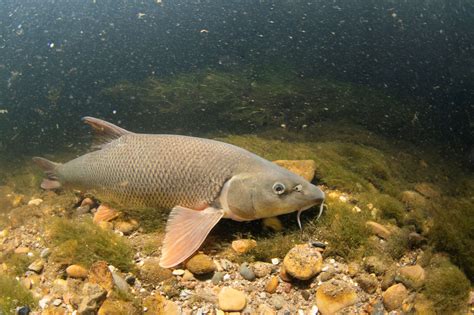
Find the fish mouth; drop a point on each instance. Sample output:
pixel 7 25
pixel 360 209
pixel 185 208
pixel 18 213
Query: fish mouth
pixel 321 207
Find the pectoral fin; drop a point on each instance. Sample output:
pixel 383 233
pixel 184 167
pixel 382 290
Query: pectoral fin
pixel 186 230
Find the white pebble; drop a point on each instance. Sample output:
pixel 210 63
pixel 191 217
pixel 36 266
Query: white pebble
pixel 178 272
pixel 44 302
pixel 226 277
pixel 57 302
pixel 275 261
pixel 300 312
pixel 35 202
pixel 332 261
pixel 325 268
pixel 343 198
pixel 263 295
pixel 314 310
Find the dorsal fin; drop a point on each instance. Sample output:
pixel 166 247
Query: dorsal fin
pixel 104 132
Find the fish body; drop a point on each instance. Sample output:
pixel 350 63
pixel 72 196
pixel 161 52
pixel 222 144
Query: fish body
pixel 202 180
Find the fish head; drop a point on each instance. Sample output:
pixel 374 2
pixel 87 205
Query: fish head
pixel 271 193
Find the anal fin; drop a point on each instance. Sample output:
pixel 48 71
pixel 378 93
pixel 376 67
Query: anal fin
pixel 186 230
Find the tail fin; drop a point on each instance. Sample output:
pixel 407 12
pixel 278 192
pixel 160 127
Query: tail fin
pixel 50 169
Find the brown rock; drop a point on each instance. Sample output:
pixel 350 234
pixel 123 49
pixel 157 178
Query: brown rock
pixel 36 266
pixel 244 245
pixel 264 309
pixel 53 310
pixel 394 296
pixel 378 229
pixel 76 271
pixel 412 276
pixel 105 213
pixel 201 264
pixel 334 296
pixel 413 199
pixel 126 227
pixel 372 264
pixel 284 275
pixel 158 305
pixel 303 262
pixel 99 273
pixel 92 297
pixel 21 250
pixel 353 269
pixel 303 168
pixel 117 307
pixel 231 300
pixel 272 285
pixel 262 269
pixel 428 190
pixel 368 283
pixel 87 202
pixel 152 272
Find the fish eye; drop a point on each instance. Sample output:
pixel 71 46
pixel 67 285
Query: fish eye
pixel 298 187
pixel 278 188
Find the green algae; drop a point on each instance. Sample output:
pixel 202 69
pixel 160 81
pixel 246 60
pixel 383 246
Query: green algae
pixel 17 264
pixel 82 242
pixel 13 295
pixel 446 286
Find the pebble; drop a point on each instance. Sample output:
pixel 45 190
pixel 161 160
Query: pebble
pixel 91 298
pixel 120 283
pixel 43 303
pixel 187 276
pixel 76 271
pixel 217 277
pixel 200 264
pixel 373 264
pixel 226 277
pixel 83 210
pixel 264 309
pixel 275 261
pixel 378 229
pixel 105 213
pixel 412 276
pixel 87 202
pixel 100 274
pixel 305 294
pixel 314 310
pixel 152 272
pixel 35 202
pixel 277 301
pixel 303 262
pixel 334 296
pixel 367 282
pixel 36 266
pixel 231 300
pixel 272 284
pixel 23 310
pixel 45 253
pixel 178 272
pixel 57 302
pixel 243 245
pixel 126 227
pixel 262 269
pixel 394 296
pixel 130 279
pixel 21 250
pixel 246 272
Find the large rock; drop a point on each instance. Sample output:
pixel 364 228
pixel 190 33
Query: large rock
pixel 394 296
pixel 303 168
pixel 152 272
pixel 99 273
pixel 91 299
pixel 231 300
pixel 412 276
pixel 333 296
pixel 201 264
pixel 303 262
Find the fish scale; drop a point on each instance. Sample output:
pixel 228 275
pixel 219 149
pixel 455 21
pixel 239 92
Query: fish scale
pixel 140 170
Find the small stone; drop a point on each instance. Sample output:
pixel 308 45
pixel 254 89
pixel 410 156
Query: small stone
pixel 314 310
pixel 412 276
pixel 334 296
pixel 372 264
pixel 130 279
pixel 277 301
pixel 231 300
pixel 91 298
pixel 100 274
pixel 303 262
pixel 275 261
pixel 26 282
pixel 416 240
pixel 244 245
pixel 246 272
pixel 200 264
pixel 305 294
pixel 126 227
pixel 217 277
pixel 378 229
pixel 284 275
pixel 57 302
pixel 21 250
pixel 171 287
pixel 262 269
pixel 264 309
pixel 152 272
pixel 35 202
pixel 367 282
pixel 394 296
pixel 272 284
pixel 83 210
pixel 178 272
pixel 114 306
pixel 120 283
pixel 353 269
pixel 326 275
pixel 428 190
pixel 87 202
pixel 158 305
pixel 36 266
pixel 76 271
pixel 187 276
pixel 24 310
pixel 105 213
pixel 413 199
pixel 45 253
pixel 303 168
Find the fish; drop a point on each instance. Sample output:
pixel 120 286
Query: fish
pixel 201 180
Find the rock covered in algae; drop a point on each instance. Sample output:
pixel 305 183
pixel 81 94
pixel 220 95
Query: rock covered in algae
pixel 201 264
pixel 394 296
pixel 303 168
pixel 303 262
pixel 334 296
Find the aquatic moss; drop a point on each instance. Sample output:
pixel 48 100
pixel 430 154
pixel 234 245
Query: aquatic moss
pixel 447 287
pixel 397 244
pixel 453 233
pixel 390 207
pixel 17 264
pixel 13 295
pixel 81 242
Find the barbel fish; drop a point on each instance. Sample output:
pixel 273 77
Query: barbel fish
pixel 201 180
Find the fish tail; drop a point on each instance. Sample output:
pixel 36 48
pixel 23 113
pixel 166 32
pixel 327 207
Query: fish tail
pixel 51 171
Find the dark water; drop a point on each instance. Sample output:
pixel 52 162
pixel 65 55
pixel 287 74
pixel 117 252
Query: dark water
pixel 57 57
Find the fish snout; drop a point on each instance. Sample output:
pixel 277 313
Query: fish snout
pixel 316 195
